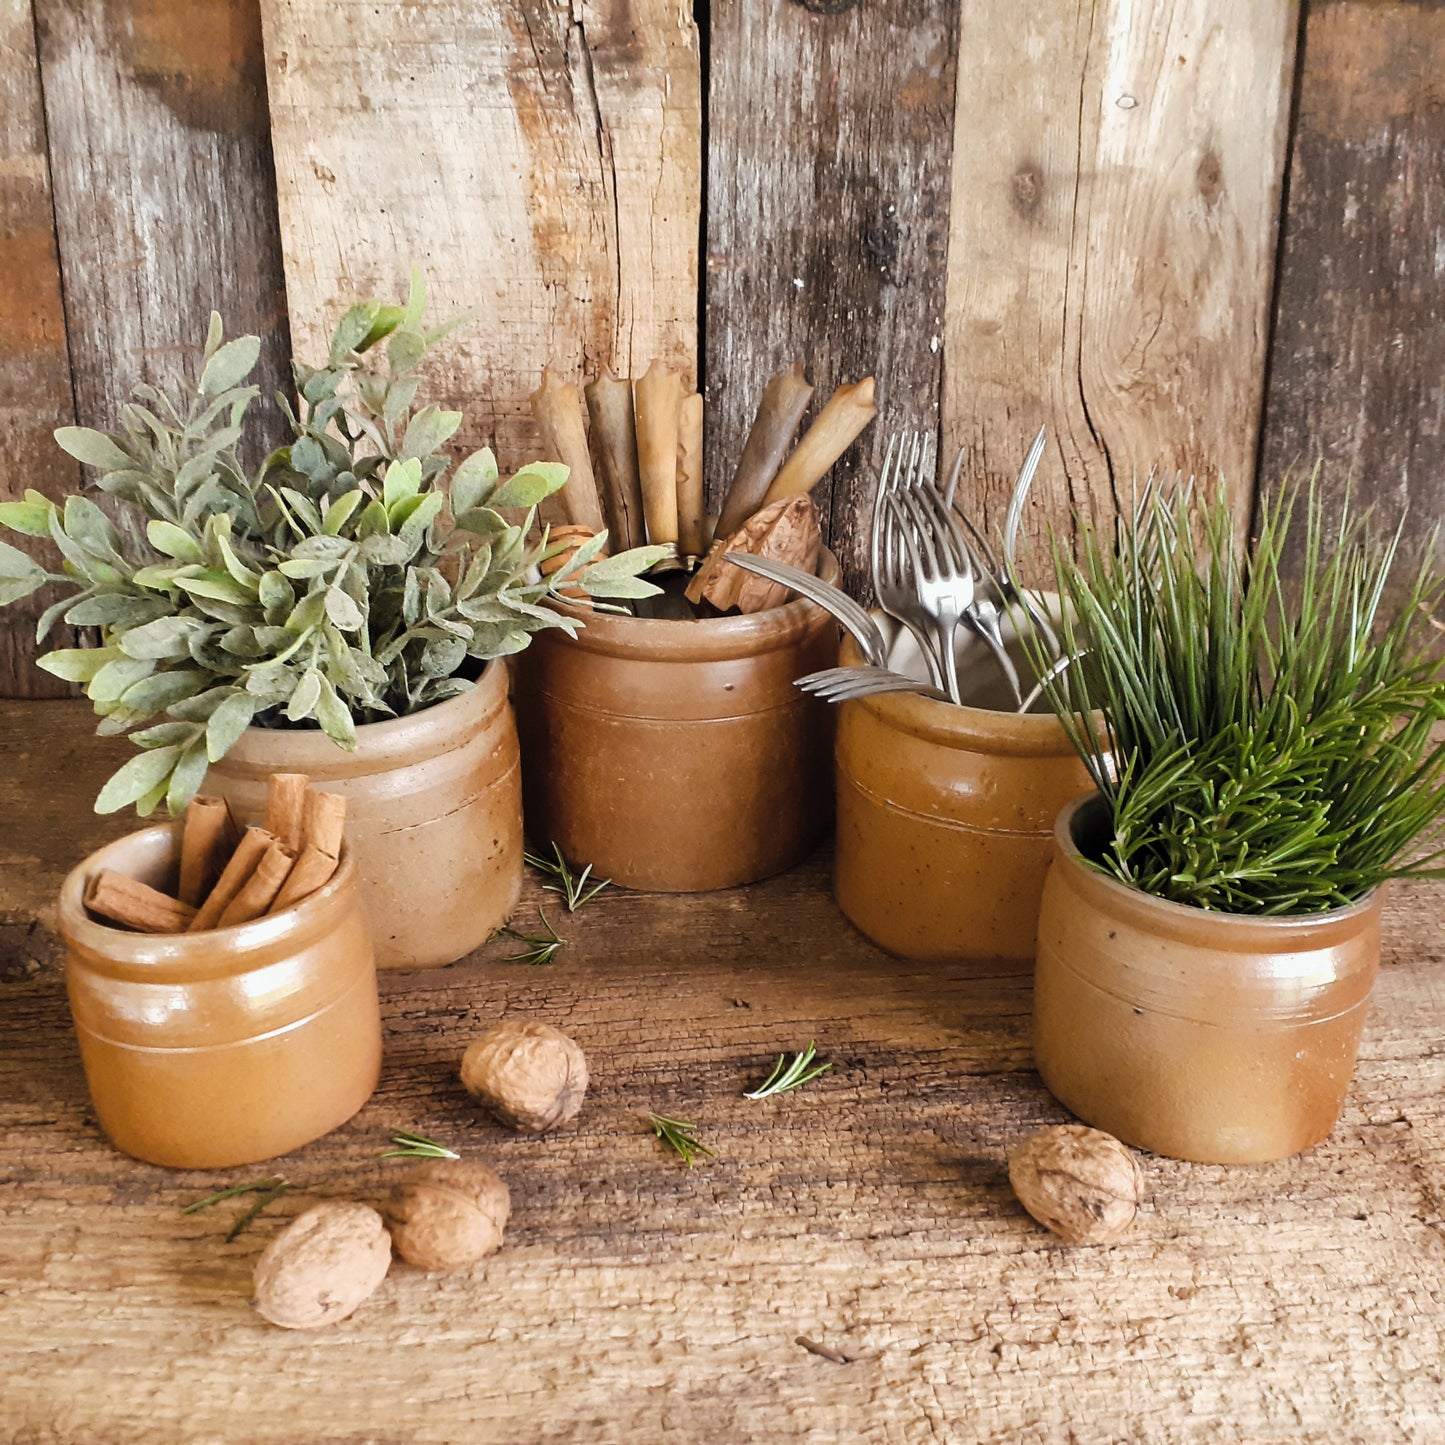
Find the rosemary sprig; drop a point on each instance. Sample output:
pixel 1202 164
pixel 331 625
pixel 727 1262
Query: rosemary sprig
pixel 573 888
pixel 788 1076
pixel 269 1189
pixel 679 1136
pixel 540 948
pixel 417 1146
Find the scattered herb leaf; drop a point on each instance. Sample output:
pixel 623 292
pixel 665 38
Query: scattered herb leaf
pixel 788 1076
pixel 679 1136
pixel 572 887
pixel 540 949
pixel 269 1189
pixel 417 1146
pixel 243 1219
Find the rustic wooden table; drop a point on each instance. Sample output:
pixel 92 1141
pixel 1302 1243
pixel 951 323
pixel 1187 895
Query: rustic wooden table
pixel 635 1300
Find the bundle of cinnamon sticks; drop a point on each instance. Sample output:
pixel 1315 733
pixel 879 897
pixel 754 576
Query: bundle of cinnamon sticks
pixel 646 442
pixel 227 875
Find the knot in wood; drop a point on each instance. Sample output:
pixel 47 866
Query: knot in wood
pixel 1026 189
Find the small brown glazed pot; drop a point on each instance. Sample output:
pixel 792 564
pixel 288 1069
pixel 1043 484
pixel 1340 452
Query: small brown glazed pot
pixel 208 1050
pixel 677 755
pixel 434 815
pixel 945 823
pixel 1221 1038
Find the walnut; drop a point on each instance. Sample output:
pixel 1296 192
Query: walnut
pixel 321 1266
pixel 1081 1183
pixel 447 1214
pixel 574 536
pixel 530 1075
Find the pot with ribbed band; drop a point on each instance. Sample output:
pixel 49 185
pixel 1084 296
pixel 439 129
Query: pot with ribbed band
pixel 215 1049
pixel 676 755
pixel 434 815
pixel 1222 1038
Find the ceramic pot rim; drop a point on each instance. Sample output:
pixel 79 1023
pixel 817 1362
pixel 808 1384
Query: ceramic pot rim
pixel 184 957
pixel 396 741
pixel 702 639
pixel 1163 915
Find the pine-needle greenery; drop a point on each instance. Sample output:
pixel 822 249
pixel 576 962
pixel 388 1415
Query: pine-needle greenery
pixel 680 1137
pixel 1267 744
pixel 540 948
pixel 788 1076
pixel 574 888
pixel 417 1146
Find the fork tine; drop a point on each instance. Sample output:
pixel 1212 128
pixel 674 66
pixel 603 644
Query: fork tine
pixel 952 490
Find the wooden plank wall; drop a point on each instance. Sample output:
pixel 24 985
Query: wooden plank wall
pixel 1001 241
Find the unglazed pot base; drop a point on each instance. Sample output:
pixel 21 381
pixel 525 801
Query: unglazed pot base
pixel 1220 1038
pixel 434 815
pixel 209 1050
pixel 677 755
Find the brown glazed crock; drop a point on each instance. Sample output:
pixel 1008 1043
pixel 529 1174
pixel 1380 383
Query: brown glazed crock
pixel 434 815
pixel 1221 1038
pixel 208 1050
pixel 945 823
pixel 677 755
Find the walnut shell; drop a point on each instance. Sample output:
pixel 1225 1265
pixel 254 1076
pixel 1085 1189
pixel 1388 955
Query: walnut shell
pixel 574 536
pixel 530 1075
pixel 1081 1183
pixel 321 1266
pixel 447 1214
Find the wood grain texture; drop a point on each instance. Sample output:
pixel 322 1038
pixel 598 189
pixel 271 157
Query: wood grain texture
pixel 35 393
pixel 830 127
pixel 164 191
pixel 540 162
pixel 1357 372
pixel 635 1300
pixel 1116 186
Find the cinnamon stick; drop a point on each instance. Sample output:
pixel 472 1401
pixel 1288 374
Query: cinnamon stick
pixel 312 870
pixel 259 891
pixel 558 410
pixel 286 807
pixel 614 442
pixel 691 519
pixel 208 835
pixel 134 904
pixel 785 399
pixel 254 842
pixel 657 401
pixel 325 821
pixel 848 411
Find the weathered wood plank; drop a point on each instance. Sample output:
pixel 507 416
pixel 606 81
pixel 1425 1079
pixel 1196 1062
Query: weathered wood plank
pixel 539 161
pixel 635 1300
pixel 35 393
pixel 164 190
pixel 1357 372
pixel 830 127
pixel 1116 187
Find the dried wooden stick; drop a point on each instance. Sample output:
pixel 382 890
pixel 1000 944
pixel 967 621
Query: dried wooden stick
pixel 691 517
pixel 614 442
pixel 325 821
pixel 848 411
pixel 657 400
pixel 786 530
pixel 135 904
pixel 208 835
pixel 254 842
pixel 785 399
pixel 312 870
pixel 558 410
pixel 286 807
pixel 259 891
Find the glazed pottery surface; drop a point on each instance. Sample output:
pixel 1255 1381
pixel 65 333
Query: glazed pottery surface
pixel 677 755
pixel 945 823
pixel 1221 1038
pixel 208 1050
pixel 434 815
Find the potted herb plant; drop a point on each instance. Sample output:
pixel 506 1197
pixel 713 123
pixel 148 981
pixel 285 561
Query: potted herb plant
pixel 339 609
pixel 1210 928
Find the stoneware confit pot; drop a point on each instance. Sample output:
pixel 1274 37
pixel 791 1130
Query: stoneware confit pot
pixel 945 823
pixel 433 817
pixel 1222 1038
pixel 677 755
pixel 209 1050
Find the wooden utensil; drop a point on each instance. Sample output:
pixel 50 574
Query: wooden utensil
pixel 614 443
pixel 558 410
pixel 785 398
pixel 848 411
pixel 657 401
pixel 691 518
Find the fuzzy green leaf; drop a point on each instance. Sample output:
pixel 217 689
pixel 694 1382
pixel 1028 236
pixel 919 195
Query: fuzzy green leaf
pixel 230 365
pixel 227 723
pixel 426 431
pixel 19 575
pixel 31 517
pixel 534 483
pixel 94 448
pixel 141 775
pixel 174 541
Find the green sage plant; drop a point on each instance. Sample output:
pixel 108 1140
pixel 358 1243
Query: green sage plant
pixel 352 575
pixel 1269 740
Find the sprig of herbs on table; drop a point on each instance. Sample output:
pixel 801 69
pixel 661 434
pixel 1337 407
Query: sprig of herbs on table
pixel 787 1076
pixel 269 1190
pixel 539 948
pixel 406 1145
pixel 680 1137
pixel 573 887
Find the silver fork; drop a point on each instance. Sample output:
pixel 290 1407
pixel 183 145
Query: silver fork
pixel 903 467
pixel 851 614
pixel 840 684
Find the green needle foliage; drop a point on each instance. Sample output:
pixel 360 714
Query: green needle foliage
pixel 540 948
pixel 417 1146
pixel 269 1190
pixel 1267 743
pixel 680 1137
pixel 352 575
pixel 787 1076
pixel 574 888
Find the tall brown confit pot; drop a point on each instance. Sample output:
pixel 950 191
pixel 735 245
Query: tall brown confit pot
pixel 208 1050
pixel 1222 1038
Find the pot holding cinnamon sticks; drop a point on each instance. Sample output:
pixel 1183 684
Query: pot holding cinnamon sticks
pixel 213 1045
